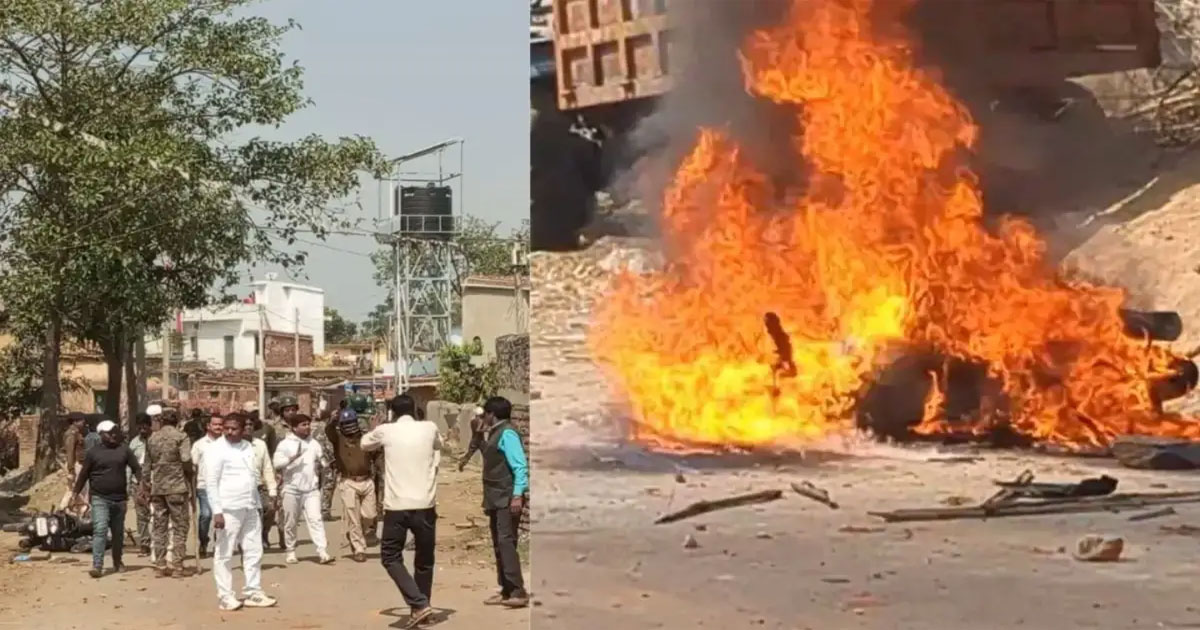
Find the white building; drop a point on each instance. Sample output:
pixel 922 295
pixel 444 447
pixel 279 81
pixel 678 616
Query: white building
pixel 227 337
pixel 493 306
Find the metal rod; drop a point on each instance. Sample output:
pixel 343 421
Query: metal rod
pixel 262 361
pixel 166 363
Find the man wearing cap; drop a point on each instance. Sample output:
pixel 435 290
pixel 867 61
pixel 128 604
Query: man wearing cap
pixel 169 464
pixel 155 412
pixel 356 470
pixel 103 469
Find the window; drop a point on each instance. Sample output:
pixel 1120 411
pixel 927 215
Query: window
pixel 195 344
pixel 229 354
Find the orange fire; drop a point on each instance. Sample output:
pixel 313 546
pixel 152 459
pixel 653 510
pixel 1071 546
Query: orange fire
pixel 883 250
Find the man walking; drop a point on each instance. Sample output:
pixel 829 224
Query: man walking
pixel 104 470
pixel 505 481
pixel 411 453
pixel 231 481
pixel 212 433
pixel 356 469
pixel 169 463
pixel 142 505
pixel 299 460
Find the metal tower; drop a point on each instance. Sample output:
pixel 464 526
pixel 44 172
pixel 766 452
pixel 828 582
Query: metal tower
pixel 420 221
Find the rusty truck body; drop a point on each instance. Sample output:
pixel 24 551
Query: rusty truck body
pixel 606 61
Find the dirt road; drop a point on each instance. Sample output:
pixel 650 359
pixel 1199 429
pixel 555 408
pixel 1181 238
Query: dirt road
pixel 57 593
pixel 795 563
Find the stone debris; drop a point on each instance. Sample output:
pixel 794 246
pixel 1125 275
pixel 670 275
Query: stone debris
pixel 1098 548
pixel 689 542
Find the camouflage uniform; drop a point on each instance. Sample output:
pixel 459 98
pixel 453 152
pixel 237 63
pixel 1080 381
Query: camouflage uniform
pixel 168 452
pixel 328 475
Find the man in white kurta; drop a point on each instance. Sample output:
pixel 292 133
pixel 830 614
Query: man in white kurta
pixel 299 459
pixel 232 477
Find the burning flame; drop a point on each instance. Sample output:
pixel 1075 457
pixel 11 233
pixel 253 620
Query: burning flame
pixel 883 251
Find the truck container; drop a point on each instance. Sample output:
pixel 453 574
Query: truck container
pixel 612 51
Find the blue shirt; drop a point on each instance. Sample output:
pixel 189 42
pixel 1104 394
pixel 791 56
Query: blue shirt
pixel 510 445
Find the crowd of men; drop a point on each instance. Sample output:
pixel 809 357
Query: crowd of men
pixel 247 476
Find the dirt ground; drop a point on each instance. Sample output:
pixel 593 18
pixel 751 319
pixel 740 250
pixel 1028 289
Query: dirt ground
pixel 57 593
pixel 795 563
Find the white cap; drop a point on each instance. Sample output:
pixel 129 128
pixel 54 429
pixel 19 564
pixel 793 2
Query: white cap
pixel 106 426
pixel 250 407
pixel 479 411
pixel 154 410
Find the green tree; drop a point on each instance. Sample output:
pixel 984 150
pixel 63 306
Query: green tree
pixel 464 380
pixel 378 325
pixel 337 328
pixel 129 185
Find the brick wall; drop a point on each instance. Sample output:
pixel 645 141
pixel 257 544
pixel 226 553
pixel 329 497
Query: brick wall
pixel 226 399
pixel 280 349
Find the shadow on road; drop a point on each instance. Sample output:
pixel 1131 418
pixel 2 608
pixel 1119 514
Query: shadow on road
pixel 402 615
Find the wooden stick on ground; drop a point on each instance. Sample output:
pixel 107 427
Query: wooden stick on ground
pixel 1111 502
pixel 704 507
pixel 806 489
pixel 1145 516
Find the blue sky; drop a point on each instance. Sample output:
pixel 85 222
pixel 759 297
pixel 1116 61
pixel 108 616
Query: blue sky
pixel 411 73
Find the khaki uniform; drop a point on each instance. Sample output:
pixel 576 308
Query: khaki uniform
pixel 167 452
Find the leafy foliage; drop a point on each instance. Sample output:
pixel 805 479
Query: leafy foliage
pixel 461 380
pixel 337 328
pixel 129 187
pixel 378 325
pixel 20 377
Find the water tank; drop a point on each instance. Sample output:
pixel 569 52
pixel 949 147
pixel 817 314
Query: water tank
pixel 425 211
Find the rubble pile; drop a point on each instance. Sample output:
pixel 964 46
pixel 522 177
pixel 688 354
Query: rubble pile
pixel 512 358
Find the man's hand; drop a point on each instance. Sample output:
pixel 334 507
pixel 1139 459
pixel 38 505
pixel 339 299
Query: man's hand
pixel 218 521
pixel 516 505
pixel 461 465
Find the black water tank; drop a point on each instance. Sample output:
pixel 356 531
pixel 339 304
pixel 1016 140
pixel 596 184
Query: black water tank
pixel 425 211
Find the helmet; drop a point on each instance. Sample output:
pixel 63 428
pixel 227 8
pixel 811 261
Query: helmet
pixel 288 400
pixel 348 422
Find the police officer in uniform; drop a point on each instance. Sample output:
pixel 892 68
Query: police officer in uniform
pixel 328 474
pixel 169 471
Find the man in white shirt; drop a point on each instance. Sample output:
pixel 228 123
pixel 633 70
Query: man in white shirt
pixel 411 454
pixel 300 459
pixel 232 475
pixel 213 431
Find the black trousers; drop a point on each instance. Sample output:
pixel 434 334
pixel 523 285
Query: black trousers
pixel 504 524
pixel 416 588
